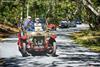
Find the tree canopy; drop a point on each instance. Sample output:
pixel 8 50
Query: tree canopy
pixel 85 10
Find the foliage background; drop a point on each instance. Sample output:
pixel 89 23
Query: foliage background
pixel 11 11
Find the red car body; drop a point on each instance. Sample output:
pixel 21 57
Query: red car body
pixel 35 44
pixel 52 26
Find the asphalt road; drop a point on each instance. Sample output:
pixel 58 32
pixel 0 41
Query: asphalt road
pixel 69 53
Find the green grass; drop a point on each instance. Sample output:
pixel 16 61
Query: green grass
pixel 95 48
pixel 6 30
pixel 89 39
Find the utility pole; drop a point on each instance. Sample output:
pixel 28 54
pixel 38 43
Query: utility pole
pixel 27 9
pixel 23 10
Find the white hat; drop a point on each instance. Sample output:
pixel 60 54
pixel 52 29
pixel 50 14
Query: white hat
pixel 36 19
pixel 29 17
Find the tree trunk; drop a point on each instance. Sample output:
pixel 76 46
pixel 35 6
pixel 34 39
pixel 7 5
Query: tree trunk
pixel 91 26
pixel 88 3
pixel 89 6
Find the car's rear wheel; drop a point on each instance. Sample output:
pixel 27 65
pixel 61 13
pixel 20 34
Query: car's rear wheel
pixel 52 50
pixel 23 50
pixel 24 47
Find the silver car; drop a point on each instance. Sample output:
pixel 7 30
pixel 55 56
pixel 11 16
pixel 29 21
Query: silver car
pixel 67 24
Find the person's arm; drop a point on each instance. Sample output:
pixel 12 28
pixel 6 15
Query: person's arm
pixel 32 24
pixel 25 24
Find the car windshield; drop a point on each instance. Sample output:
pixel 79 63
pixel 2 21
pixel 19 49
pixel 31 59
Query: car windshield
pixel 63 21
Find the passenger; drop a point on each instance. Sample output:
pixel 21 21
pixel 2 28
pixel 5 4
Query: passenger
pixel 23 38
pixel 28 24
pixel 38 25
pixel 52 42
pixel 22 48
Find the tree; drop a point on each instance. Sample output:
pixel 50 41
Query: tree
pixel 93 14
pixel 55 9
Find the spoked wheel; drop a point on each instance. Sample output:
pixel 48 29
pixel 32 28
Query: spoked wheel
pixel 24 47
pixel 52 51
pixel 23 50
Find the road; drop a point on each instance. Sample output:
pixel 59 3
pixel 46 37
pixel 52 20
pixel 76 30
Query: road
pixel 69 53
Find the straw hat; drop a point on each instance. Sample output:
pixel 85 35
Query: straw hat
pixel 37 19
pixel 29 17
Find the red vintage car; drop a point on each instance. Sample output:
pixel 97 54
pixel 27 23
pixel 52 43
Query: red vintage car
pixel 35 43
pixel 52 26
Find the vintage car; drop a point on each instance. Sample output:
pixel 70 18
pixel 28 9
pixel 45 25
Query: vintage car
pixel 66 24
pixel 52 26
pixel 35 43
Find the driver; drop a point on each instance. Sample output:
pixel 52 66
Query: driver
pixel 28 24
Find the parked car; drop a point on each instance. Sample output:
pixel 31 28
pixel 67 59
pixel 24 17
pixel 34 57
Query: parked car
pixel 78 22
pixel 63 24
pixel 52 26
pixel 67 24
pixel 72 24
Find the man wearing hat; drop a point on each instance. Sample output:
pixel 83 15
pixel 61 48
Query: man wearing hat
pixel 28 24
pixel 38 25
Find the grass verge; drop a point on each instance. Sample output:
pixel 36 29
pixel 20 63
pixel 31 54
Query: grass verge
pixel 89 39
pixel 7 30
